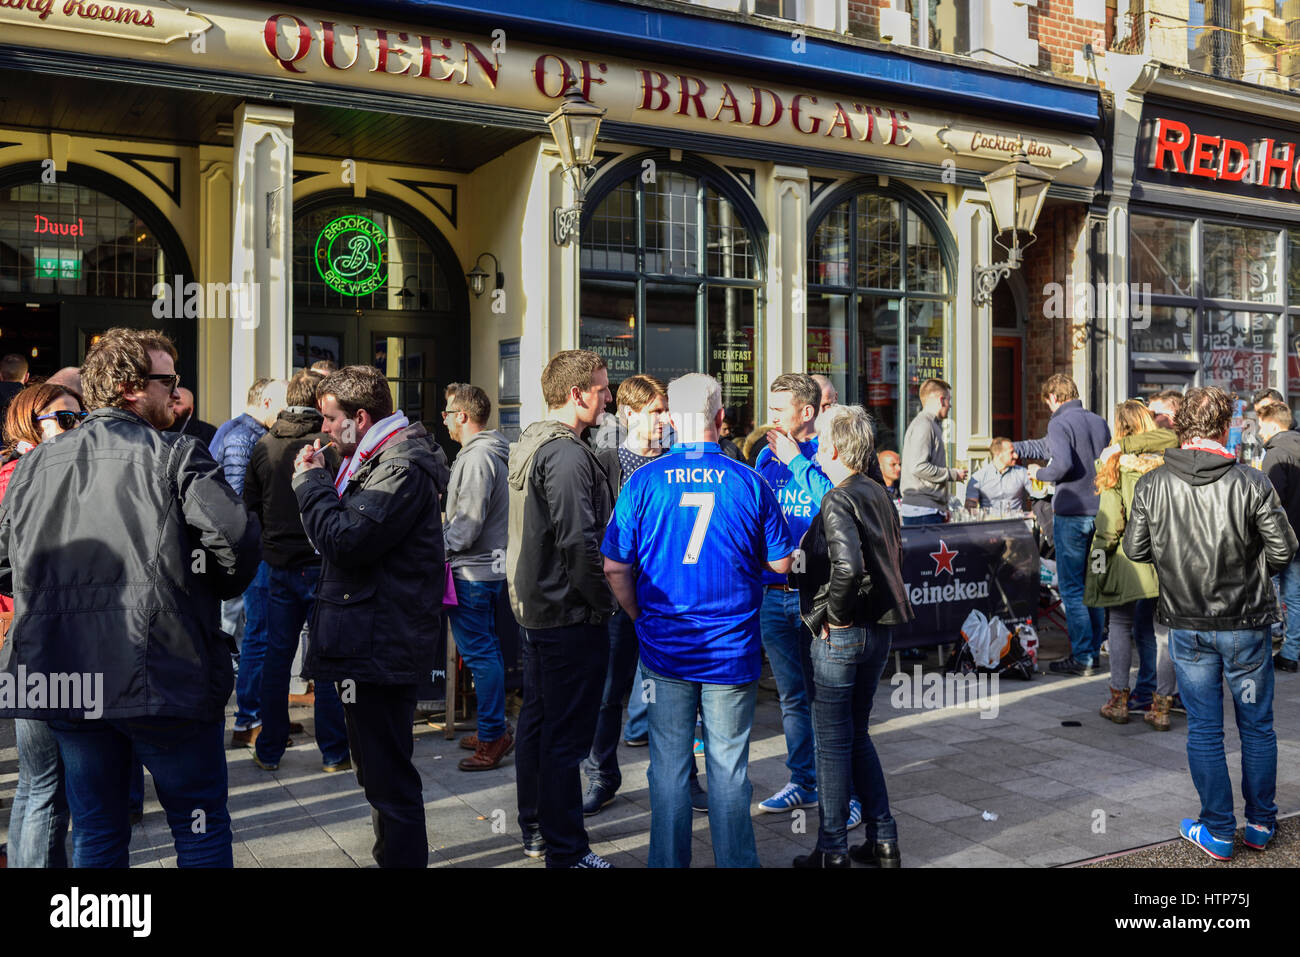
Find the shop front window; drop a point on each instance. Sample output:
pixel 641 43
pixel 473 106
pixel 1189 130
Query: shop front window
pixel 71 240
pixel 1215 301
pixel 670 285
pixel 879 306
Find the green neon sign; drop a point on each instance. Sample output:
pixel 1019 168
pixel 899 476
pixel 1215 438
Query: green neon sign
pixel 350 255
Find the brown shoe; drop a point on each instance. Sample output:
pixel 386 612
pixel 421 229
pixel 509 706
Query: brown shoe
pixel 469 742
pixel 489 754
pixel 1158 715
pixel 1116 709
pixel 246 738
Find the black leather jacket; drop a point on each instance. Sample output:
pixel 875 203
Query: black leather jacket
pixel 853 555
pixel 116 541
pixel 379 601
pixel 1215 530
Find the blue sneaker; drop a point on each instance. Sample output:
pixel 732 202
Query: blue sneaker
pixel 1197 833
pixel 855 813
pixel 1258 836
pixel 788 798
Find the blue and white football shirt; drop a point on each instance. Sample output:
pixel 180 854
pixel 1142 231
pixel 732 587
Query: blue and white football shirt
pixel 700 527
pixel 799 487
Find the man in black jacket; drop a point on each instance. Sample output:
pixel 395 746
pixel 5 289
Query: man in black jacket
pixel 1214 529
pixel 378 527
pixel 559 504
pixel 1282 466
pixel 117 541
pixel 294 571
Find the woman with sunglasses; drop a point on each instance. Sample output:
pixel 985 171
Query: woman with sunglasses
pixel 38 821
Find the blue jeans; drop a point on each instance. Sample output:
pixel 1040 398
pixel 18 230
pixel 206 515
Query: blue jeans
pixel 728 717
pixel 638 722
pixel 248 683
pixel 38 821
pixel 784 636
pixel 291 594
pixel 1203 661
pixel 601 765
pixel 846 671
pixel 1144 636
pixel 473 621
pixel 1087 626
pixel 1289 592
pixel 188 762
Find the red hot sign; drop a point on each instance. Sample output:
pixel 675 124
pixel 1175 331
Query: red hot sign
pixel 1272 164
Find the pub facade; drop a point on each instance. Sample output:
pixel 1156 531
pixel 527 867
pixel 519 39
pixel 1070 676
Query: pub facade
pixel 274 185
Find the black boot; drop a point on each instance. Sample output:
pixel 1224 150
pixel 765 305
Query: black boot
pixel 822 859
pixel 879 854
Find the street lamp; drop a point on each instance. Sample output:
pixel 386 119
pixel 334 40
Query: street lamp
pixel 574 126
pixel 1016 192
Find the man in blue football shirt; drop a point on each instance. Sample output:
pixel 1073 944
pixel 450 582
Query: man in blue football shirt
pixel 792 405
pixel 685 551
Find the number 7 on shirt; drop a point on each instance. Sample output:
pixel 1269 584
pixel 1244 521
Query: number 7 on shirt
pixel 704 502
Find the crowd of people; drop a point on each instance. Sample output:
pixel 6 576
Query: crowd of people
pixel 644 561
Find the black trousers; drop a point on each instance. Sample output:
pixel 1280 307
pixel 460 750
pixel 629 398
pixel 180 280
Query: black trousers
pixel 379 719
pixel 564 676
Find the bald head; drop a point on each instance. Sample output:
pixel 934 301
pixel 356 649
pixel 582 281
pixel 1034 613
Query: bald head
pixel 69 377
pixel 829 394
pixel 183 406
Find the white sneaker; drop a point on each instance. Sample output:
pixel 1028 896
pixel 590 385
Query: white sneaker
pixel 594 861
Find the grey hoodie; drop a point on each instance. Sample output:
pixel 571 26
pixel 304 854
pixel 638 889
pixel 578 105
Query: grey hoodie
pixel 559 504
pixel 478 509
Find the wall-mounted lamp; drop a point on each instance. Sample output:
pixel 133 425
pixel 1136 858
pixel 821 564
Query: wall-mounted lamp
pixel 1016 192
pixel 406 295
pixel 478 278
pixel 574 126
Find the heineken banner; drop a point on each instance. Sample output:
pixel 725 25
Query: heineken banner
pixel 951 569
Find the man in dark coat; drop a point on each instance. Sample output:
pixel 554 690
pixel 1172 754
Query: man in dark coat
pixel 1282 466
pixel 378 528
pixel 117 540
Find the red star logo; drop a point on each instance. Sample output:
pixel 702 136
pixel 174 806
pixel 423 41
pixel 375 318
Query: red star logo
pixel 943 558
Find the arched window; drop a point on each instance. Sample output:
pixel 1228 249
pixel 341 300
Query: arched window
pixel 671 272
pixel 879 303
pixel 70 240
pixel 373 282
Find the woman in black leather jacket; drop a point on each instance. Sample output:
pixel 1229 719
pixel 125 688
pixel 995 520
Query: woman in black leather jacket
pixel 850 595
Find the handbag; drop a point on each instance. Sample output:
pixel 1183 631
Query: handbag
pixel 449 590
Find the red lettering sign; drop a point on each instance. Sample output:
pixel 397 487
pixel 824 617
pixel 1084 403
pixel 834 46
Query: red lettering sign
pixel 45 225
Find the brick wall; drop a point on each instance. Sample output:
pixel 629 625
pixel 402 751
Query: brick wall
pixel 1051 343
pixel 1060 34
pixel 864 18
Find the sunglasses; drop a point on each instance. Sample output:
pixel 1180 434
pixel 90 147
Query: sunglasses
pixel 172 379
pixel 66 420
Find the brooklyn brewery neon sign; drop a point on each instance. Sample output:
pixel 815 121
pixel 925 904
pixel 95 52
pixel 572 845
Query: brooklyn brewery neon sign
pixel 1275 165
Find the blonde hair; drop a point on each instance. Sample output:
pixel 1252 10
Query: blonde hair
pixel 1131 418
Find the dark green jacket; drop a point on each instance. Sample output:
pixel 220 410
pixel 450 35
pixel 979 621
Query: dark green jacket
pixel 1113 579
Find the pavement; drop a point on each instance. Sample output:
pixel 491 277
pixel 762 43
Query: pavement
pixel 1014 784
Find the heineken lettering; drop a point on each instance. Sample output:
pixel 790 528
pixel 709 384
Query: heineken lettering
pixel 956 590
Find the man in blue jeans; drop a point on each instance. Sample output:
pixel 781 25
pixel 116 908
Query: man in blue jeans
pixel 478 509
pixel 1214 530
pixel 685 550
pixel 293 572
pixel 1282 466
pixel 787 464
pixel 1075 438
pixel 137 613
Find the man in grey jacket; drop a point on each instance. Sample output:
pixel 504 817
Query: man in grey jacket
pixel 475 532
pixel 926 475
pixel 559 505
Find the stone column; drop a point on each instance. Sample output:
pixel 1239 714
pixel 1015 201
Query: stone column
pixel 785 322
pixel 261 244
pixel 973 332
